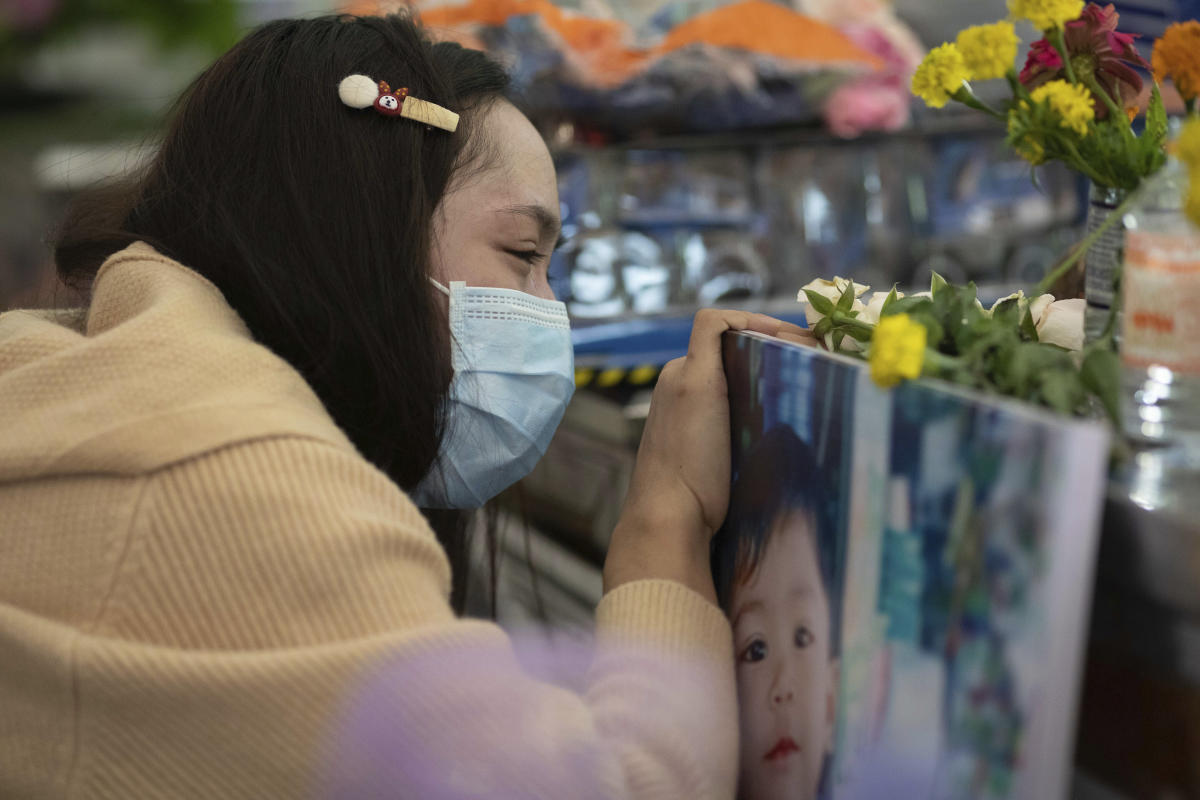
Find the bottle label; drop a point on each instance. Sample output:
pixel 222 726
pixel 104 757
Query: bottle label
pixel 1161 291
pixel 1103 257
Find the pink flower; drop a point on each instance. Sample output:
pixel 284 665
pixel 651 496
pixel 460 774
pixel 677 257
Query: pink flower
pixel 1095 47
pixel 1043 58
pixel 896 46
pixel 868 104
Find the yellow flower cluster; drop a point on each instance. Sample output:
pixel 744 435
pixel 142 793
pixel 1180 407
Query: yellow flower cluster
pixel 897 350
pixel 1177 56
pixel 989 50
pixel 1027 145
pixel 940 75
pixel 1187 148
pixel 1046 14
pixel 1071 102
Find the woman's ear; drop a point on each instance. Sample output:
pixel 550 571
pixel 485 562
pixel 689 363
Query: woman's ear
pixel 831 695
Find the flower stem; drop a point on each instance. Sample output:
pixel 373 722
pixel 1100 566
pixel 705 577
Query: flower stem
pixel 1052 278
pixel 1060 44
pixel 841 318
pixel 1116 113
pixel 1018 88
pixel 1080 164
pixel 937 361
pixel 968 98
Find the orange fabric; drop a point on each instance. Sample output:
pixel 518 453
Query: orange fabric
pixel 758 26
pixel 765 27
pixel 597 43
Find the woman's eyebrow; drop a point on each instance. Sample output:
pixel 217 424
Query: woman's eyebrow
pixel 549 226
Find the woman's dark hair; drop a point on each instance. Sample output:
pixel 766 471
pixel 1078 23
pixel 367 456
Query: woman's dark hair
pixel 315 219
pixel 780 475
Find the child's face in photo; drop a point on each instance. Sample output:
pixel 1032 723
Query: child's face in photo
pixel 786 678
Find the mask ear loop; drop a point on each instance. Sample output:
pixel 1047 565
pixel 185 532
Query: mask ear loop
pixel 454 345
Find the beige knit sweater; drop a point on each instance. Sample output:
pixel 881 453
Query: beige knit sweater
pixel 206 592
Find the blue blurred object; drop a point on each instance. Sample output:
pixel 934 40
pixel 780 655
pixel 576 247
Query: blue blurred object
pixel 642 340
pixel 1149 18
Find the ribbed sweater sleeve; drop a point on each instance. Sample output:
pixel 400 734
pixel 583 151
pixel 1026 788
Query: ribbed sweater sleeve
pixel 278 626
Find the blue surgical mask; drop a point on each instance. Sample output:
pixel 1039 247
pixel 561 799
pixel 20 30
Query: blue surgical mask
pixel 514 373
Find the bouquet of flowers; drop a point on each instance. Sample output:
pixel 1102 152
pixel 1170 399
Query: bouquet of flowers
pixel 1029 348
pixel 1073 101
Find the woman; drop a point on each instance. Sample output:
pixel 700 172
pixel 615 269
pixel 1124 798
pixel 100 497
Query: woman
pixel 210 542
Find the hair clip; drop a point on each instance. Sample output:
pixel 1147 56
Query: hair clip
pixel 359 91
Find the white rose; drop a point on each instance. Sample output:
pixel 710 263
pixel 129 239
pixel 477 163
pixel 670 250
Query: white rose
pixel 830 289
pixel 1038 307
pixel 874 307
pixel 1022 302
pixel 1062 323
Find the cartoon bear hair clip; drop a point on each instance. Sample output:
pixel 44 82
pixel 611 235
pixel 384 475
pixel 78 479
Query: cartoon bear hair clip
pixel 359 91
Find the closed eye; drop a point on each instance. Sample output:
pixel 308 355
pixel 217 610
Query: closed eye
pixel 528 256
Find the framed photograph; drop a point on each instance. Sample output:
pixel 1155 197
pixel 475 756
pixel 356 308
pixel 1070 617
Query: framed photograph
pixel 908 575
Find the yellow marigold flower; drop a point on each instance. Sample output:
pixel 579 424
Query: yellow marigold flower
pixel 1187 149
pixel 1177 56
pixel 1072 104
pixel 1192 202
pixel 897 349
pixel 940 75
pixel 1187 146
pixel 1046 14
pixel 1027 146
pixel 989 50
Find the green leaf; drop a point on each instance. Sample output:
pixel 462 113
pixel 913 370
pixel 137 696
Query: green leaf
pixel 846 301
pixel 858 334
pixel 908 305
pixel 937 284
pixel 933 328
pixel 1061 390
pixel 824 326
pixel 1001 359
pixel 1151 143
pixel 1101 375
pixel 820 302
pixel 838 336
pixel 1156 119
pixel 887 301
pixel 970 295
pixel 1028 328
pixel 1031 361
pixel 1020 368
pixel 1006 313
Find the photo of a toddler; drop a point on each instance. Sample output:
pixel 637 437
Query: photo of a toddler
pixel 775 567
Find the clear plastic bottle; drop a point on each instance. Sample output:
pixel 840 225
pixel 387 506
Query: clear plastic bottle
pixel 1160 347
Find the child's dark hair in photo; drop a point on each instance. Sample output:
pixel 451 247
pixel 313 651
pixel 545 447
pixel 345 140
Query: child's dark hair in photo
pixel 775 567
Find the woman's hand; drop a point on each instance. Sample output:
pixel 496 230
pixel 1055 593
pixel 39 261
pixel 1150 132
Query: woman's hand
pixel 679 492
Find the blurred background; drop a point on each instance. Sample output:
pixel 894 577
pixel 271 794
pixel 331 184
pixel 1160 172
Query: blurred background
pixel 709 152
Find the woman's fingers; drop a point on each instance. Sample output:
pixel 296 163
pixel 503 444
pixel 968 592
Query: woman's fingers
pixel 704 347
